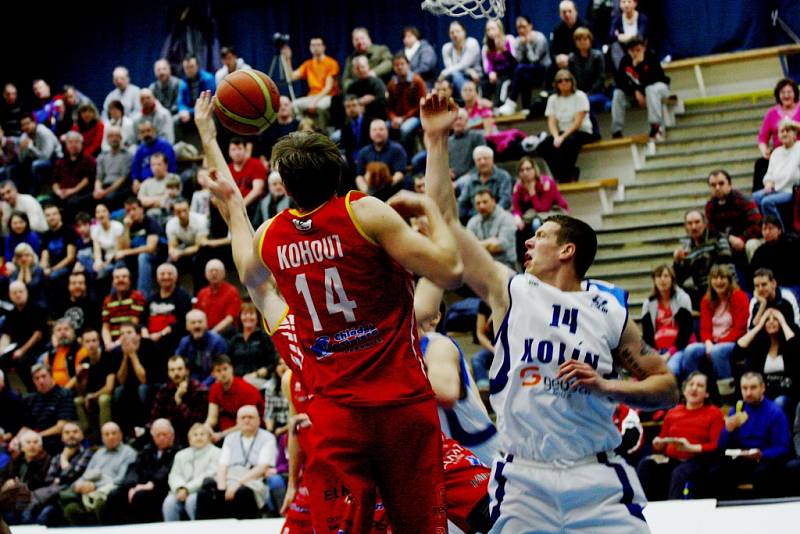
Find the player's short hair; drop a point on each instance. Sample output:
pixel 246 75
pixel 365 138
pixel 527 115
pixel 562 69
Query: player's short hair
pixel 753 374
pixel 580 234
pixel 763 271
pixel 310 165
pixel 238 141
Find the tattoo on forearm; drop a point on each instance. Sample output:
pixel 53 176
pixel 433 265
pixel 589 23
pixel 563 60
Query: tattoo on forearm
pixel 628 360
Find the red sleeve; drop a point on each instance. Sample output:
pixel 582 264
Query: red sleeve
pixel 257 170
pixel 666 426
pixel 92 148
pixel 708 216
pixel 213 393
pixel 715 424
pixel 706 331
pixel 517 204
pixel 740 309
pixel 234 303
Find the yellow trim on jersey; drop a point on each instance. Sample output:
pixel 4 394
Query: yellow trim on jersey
pixel 261 242
pixel 298 213
pixel 355 221
pixel 271 331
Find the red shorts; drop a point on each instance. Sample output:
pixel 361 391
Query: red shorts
pixel 396 449
pixel 298 517
pixel 466 481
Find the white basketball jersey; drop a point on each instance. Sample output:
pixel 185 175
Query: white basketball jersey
pixel 467 422
pixel 538 416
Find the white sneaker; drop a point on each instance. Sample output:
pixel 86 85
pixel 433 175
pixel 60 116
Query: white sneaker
pixel 509 107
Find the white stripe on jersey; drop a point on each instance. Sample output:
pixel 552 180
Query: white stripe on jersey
pixel 467 422
pixel 538 416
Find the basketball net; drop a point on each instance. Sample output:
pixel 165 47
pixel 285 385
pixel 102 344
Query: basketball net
pixel 490 9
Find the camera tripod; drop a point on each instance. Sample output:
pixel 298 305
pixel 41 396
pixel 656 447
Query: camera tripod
pixel 280 65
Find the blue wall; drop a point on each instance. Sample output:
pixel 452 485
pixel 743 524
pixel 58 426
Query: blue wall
pixel 82 47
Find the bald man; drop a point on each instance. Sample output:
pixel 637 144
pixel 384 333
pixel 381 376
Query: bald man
pixel 247 453
pixel 138 498
pixel 219 300
pixel 24 328
pixel 124 91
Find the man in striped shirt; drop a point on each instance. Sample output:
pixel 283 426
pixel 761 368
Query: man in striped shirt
pixel 123 305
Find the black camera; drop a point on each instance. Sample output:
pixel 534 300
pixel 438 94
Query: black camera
pixel 280 39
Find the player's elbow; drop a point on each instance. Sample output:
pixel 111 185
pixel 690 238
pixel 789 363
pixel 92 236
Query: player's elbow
pixel 453 274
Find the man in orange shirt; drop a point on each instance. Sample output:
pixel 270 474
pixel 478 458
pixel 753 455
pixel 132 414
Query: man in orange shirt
pixel 320 72
pixel 219 300
pixel 62 355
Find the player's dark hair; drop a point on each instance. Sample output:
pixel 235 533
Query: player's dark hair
pixel 238 141
pixel 581 235
pixel 310 165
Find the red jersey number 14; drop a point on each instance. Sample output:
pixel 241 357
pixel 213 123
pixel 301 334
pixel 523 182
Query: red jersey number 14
pixel 335 297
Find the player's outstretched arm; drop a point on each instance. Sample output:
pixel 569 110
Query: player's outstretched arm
pixel 654 387
pixel 487 277
pixel 435 258
pixel 228 199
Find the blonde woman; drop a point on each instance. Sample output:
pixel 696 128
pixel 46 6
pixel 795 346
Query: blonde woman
pixel 191 466
pixel 498 60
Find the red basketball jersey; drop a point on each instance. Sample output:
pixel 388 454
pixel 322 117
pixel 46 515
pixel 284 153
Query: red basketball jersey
pixel 353 306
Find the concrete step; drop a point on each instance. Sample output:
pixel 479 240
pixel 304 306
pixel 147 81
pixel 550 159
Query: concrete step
pixel 714 115
pixel 608 253
pixel 703 155
pixel 657 202
pixel 641 233
pixel 659 173
pixel 650 208
pixel 667 212
pixel 712 128
pixel 747 104
pixel 681 186
pixel 702 142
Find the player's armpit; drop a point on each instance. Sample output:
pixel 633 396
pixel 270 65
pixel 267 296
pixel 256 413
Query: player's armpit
pixel 485 276
pixel 654 386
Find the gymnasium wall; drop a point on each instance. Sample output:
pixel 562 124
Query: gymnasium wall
pixel 64 43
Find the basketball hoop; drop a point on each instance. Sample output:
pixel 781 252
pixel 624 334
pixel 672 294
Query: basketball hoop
pixel 490 9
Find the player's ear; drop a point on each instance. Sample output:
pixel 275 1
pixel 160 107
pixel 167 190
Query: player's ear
pixel 567 252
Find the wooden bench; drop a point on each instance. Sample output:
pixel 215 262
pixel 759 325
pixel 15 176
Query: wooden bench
pixel 614 157
pixel 518 117
pixel 728 73
pixel 583 198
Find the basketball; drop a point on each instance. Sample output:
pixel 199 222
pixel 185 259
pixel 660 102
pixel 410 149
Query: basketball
pixel 247 102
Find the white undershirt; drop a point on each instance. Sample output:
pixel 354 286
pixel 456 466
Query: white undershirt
pixel 773 364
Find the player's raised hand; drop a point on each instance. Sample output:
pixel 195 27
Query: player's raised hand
pixel 437 114
pixel 221 186
pixel 204 115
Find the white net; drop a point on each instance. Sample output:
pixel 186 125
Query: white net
pixel 490 9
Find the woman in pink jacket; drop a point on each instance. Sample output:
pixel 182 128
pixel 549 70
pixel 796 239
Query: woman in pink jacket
pixel 787 96
pixel 535 197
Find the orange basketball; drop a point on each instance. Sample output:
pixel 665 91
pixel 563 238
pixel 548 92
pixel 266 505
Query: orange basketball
pixel 247 101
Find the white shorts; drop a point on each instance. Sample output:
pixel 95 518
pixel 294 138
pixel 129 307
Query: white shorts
pixel 601 495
